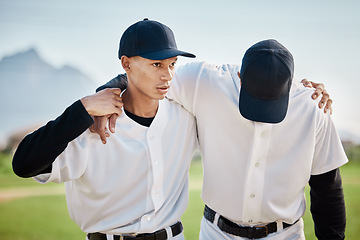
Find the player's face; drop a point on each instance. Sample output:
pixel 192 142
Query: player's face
pixel 150 78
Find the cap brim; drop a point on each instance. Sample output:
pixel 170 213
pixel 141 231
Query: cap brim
pixel 166 53
pixel 267 111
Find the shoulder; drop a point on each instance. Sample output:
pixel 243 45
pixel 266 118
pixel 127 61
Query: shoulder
pixel 205 72
pixel 299 92
pixel 189 70
pixel 304 106
pixel 206 67
pixel 174 108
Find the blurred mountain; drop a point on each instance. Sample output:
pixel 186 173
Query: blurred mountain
pixel 33 91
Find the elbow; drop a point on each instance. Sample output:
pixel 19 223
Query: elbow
pixel 21 167
pixel 28 168
pixel 19 170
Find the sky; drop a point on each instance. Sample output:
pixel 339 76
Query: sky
pixel 323 36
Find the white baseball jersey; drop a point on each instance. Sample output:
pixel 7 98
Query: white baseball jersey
pixel 255 172
pixel 137 182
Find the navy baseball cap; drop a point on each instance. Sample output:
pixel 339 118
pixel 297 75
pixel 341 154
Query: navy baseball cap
pixel 266 75
pixel 150 39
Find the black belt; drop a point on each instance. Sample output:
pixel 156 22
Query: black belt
pixel 230 227
pixel 158 235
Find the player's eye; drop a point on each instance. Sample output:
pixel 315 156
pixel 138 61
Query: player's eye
pixel 156 64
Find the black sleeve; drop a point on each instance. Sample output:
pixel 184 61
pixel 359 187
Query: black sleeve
pixel 328 205
pixel 38 150
pixel 120 81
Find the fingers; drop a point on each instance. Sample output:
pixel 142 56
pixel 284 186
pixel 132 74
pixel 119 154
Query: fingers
pixel 118 109
pixel 117 101
pixel 112 121
pixel 306 83
pixel 91 128
pixel 104 105
pixel 319 89
pixel 328 106
pixel 324 99
pixel 103 133
pixel 115 94
pixel 117 98
pixel 102 129
pixel 103 136
pixel 116 91
pixel 105 102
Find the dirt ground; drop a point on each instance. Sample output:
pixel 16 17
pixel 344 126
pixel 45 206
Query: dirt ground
pixel 7 195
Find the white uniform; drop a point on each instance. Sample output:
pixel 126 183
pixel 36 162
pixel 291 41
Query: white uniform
pixel 137 182
pixel 255 173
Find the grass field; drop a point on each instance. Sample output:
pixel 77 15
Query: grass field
pixel 32 211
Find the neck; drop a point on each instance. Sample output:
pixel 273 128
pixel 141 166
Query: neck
pixel 139 104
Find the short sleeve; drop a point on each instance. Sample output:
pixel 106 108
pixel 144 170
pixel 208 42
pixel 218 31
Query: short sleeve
pixel 329 152
pixel 70 164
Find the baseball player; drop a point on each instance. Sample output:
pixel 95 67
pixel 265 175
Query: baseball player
pixel 258 161
pixel 136 186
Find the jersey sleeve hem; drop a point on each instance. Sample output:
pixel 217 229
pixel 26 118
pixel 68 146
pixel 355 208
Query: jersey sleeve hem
pixel 330 167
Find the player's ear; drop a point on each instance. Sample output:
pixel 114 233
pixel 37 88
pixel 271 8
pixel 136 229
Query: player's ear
pixel 125 62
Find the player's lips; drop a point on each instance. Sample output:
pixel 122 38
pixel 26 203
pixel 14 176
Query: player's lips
pixel 163 89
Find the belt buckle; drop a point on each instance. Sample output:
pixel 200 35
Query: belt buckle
pixel 128 236
pixel 260 231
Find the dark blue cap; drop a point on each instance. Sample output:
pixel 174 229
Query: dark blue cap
pixel 151 40
pixel 266 75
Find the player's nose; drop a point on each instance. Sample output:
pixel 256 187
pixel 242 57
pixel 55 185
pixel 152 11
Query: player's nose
pixel 167 74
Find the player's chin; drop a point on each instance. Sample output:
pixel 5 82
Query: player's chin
pixel 161 97
pixel 158 96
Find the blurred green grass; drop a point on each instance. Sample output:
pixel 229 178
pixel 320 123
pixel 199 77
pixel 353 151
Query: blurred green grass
pixel 46 216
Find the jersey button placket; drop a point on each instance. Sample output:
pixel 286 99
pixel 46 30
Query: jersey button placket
pixel 155 149
pixel 255 179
